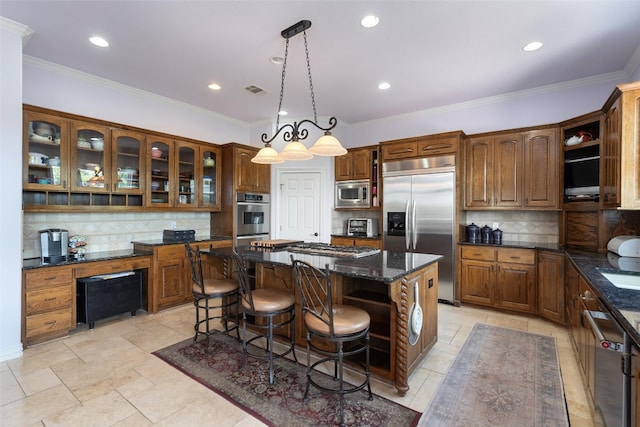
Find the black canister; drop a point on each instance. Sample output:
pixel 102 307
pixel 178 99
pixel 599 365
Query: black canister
pixel 473 233
pixel 497 236
pixel 485 234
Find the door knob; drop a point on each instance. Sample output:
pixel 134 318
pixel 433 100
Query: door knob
pixel 315 234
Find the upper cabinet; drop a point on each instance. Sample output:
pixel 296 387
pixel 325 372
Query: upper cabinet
pixel 421 146
pixel 356 164
pixel 77 163
pixel 620 149
pixel 249 176
pixel 514 170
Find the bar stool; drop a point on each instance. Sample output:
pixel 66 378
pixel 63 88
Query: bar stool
pixel 265 310
pixel 206 289
pixel 345 328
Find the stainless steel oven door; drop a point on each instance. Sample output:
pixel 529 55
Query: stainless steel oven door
pixel 252 218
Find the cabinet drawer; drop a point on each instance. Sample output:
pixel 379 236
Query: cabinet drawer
pixel 45 323
pixel 116 266
pixel 45 277
pixel 48 299
pixel 439 146
pixel 517 256
pixel 478 253
pixel 400 151
pixel 172 251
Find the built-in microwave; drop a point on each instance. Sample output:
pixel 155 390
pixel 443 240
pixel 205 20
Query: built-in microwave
pixel 581 174
pixel 352 194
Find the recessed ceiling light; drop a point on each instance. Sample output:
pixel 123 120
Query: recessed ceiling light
pixel 99 41
pixel 369 21
pixel 214 86
pixel 532 46
pixel 278 60
pixel 384 86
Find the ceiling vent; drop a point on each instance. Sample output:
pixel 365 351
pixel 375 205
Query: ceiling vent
pixel 257 90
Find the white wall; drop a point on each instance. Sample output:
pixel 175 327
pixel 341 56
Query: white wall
pixel 10 191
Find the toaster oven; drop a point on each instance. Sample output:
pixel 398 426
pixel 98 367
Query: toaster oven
pixel 366 227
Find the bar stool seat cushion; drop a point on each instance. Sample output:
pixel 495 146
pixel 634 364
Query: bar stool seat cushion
pixel 269 300
pixel 216 286
pixel 347 320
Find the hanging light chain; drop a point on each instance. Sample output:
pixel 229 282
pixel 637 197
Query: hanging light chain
pixel 313 98
pixel 284 68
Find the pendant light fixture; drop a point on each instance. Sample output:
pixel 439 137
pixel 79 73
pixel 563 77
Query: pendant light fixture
pixel 326 145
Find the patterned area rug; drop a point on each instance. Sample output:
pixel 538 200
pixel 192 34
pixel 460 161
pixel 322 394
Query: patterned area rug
pixel 280 404
pixel 501 377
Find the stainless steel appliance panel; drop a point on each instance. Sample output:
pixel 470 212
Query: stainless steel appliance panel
pixel 419 212
pixel 252 214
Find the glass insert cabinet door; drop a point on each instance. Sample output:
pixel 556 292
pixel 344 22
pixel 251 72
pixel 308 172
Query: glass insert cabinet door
pixel 128 161
pixel 45 153
pixel 90 163
pixel 159 185
pixel 209 184
pixel 186 175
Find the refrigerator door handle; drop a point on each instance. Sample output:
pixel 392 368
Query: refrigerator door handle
pixel 408 230
pixel 414 228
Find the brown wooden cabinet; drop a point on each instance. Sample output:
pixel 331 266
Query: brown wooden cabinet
pixel 356 164
pixel 48 303
pixel 551 289
pixel 249 176
pixel 498 277
pixel 620 149
pixel 421 146
pixel 171 282
pixel 355 241
pixel 513 170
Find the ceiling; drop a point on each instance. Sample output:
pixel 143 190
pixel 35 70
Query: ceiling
pixel 433 53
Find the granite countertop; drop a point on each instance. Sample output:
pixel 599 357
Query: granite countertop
pixel 517 244
pixel 161 242
pixel 384 266
pixel 31 263
pixel 624 304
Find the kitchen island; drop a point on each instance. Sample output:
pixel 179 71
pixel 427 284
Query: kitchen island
pixel 388 285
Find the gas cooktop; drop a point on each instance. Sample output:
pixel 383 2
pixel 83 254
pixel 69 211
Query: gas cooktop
pixel 333 250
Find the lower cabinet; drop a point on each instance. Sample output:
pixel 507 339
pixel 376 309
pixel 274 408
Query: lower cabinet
pixel 551 285
pixel 356 241
pixel 171 282
pixel 635 386
pixel 498 277
pixel 47 304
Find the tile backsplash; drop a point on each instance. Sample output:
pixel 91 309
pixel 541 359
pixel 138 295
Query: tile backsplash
pixel 112 230
pixel 519 226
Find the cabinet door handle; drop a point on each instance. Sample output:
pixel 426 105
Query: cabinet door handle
pixel 514 257
pixel 401 151
pixel 50 299
pixel 53 322
pixel 51 278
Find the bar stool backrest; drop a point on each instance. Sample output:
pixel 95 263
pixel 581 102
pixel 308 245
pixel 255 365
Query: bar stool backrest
pixel 314 290
pixel 243 279
pixel 195 263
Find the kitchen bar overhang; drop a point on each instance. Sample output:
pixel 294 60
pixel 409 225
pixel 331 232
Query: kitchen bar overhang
pixel 385 284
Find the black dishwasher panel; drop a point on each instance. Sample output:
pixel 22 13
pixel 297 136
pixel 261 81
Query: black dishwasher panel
pixel 99 297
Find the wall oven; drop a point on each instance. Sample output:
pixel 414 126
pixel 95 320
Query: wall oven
pixel 252 217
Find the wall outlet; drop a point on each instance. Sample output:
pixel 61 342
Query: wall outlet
pixel 174 225
pixel 495 225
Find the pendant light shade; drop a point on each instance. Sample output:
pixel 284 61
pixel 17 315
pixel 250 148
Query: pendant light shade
pixel 295 150
pixel 268 156
pixel 328 145
pixel 292 134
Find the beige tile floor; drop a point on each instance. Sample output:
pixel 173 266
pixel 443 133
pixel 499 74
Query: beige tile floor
pixel 107 377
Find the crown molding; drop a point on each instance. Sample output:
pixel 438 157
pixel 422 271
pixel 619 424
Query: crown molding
pixel 17 28
pixel 81 75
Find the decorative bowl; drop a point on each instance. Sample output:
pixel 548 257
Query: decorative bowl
pixel 84 144
pixel 54 161
pixel 97 144
pixel 155 185
pixel 156 152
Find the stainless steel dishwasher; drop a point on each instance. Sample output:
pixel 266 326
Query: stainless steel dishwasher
pixel 612 369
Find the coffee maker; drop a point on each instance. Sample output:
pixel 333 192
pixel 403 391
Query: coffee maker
pixel 53 245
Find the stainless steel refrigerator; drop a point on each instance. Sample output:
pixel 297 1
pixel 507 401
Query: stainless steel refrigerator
pixel 419 212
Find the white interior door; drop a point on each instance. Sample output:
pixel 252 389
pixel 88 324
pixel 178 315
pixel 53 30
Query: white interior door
pixel 300 206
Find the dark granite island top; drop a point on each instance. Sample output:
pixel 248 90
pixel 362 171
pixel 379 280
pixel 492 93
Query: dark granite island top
pixel 385 284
